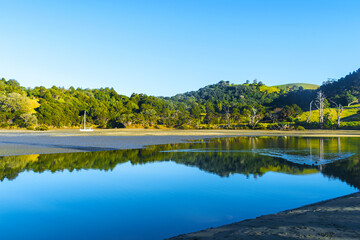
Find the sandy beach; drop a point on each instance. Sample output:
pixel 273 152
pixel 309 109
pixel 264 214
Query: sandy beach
pixel 333 219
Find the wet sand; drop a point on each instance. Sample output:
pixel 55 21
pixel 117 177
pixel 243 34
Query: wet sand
pixel 337 218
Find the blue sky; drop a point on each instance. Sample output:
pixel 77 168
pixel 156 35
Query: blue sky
pixel 174 46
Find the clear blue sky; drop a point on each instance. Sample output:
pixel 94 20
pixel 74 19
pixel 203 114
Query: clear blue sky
pixel 174 46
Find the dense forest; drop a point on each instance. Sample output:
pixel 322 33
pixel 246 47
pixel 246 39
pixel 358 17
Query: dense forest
pixel 222 105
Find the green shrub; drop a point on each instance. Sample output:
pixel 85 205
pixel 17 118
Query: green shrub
pixel 184 126
pixel 42 128
pixel 350 125
pixel 260 126
pixel 301 128
pixel 4 125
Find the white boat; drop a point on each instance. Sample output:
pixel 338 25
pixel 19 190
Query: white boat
pixel 85 129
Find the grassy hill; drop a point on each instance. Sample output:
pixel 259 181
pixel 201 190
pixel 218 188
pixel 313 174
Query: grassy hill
pixel 348 115
pixel 289 86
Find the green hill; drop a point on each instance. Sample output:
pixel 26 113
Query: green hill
pixel 345 90
pixel 348 114
pixel 295 86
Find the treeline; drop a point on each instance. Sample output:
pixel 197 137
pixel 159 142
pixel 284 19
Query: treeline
pixel 248 105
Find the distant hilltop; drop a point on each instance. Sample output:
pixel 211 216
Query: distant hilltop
pixel 293 86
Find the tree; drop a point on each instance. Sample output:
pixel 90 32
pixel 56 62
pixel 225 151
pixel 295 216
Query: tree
pixel 28 120
pixel 274 116
pixel 320 103
pixel 351 99
pixel 254 116
pixel 308 118
pixel 15 102
pixel 12 106
pixel 289 112
pixel 339 110
pixel 227 116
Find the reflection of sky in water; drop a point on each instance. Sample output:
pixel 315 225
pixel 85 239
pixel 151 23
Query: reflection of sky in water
pixel 150 201
pixel 155 200
pixel 313 157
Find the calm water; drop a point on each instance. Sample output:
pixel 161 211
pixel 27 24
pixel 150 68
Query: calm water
pixel 167 190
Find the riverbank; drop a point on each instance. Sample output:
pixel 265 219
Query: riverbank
pixel 23 142
pixel 337 218
pixel 190 132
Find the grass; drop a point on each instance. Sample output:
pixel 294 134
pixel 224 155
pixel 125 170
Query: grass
pixel 348 115
pixel 269 89
pixel 34 104
pixel 286 87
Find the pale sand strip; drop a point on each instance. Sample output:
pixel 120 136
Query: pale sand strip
pixel 337 218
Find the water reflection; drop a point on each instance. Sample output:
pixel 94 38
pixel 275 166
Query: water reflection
pixel 250 156
pixel 119 195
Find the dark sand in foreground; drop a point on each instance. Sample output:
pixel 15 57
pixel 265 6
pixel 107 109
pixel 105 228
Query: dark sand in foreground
pixel 333 219
pixel 337 218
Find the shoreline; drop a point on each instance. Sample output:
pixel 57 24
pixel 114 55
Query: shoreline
pixel 336 218
pixel 183 132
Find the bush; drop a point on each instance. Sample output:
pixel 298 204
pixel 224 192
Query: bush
pixel 4 125
pixel 184 126
pixel 260 126
pixel 282 126
pixel 301 128
pixel 350 125
pixel 42 128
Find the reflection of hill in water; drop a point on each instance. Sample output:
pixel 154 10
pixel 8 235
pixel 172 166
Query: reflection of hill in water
pixel 347 171
pixel 227 156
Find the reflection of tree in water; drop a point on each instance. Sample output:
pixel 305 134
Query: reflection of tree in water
pixel 219 160
pixel 222 164
pixel 346 170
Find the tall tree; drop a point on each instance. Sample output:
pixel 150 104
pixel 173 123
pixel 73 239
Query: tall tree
pixel 308 118
pixel 339 110
pixel 254 116
pixel 320 103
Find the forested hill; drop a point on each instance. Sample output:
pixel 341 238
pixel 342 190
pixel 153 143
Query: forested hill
pixel 226 93
pixel 345 90
pixel 218 105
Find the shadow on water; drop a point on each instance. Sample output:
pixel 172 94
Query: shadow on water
pixel 251 156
